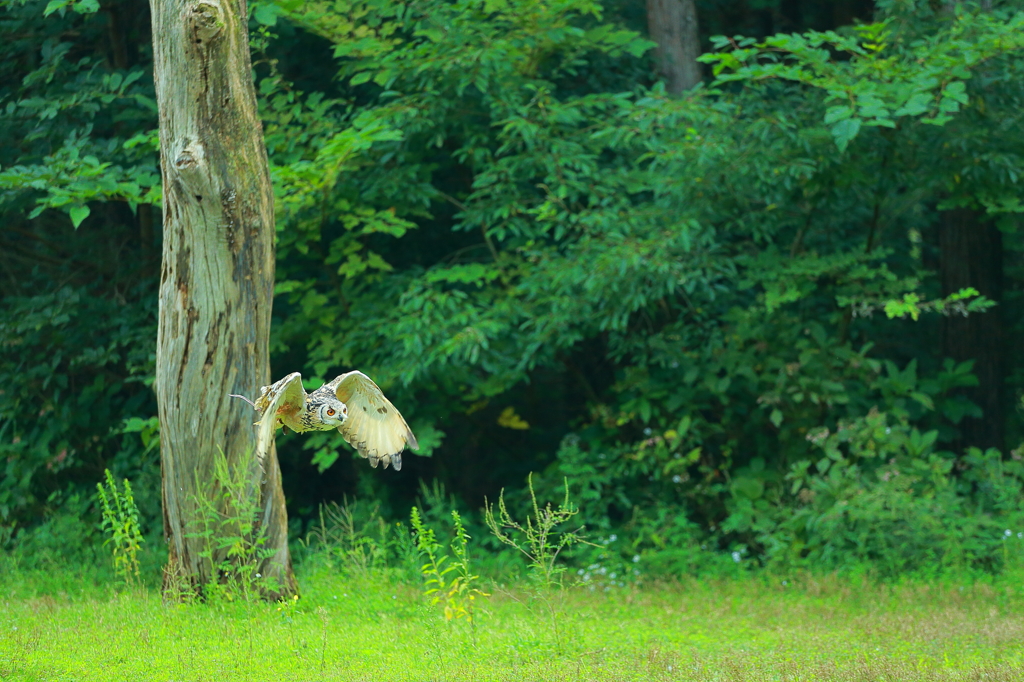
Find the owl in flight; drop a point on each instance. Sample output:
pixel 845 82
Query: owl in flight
pixel 351 403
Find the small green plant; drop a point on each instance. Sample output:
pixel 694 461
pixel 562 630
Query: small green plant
pixel 456 592
pixel 536 539
pixel 121 523
pixel 355 537
pixel 356 534
pixel 235 546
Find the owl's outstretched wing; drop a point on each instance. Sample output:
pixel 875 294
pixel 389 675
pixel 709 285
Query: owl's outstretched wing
pixel 280 403
pixel 374 427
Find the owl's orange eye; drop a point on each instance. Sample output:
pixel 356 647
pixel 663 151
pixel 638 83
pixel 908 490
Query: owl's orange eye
pixel 330 412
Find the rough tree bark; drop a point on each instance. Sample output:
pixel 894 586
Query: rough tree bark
pixel 672 24
pixel 971 255
pixel 216 284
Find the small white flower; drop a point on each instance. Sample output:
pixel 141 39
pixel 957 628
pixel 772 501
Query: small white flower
pixel 1007 532
pixel 613 537
pixel 612 575
pixel 636 558
pixel 258 575
pixel 736 556
pixel 1020 536
pixel 648 431
pixel 677 479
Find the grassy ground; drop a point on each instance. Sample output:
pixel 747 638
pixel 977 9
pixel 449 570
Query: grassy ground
pixel 371 628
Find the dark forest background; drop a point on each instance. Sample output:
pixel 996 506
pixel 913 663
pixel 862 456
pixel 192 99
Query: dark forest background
pixel 767 318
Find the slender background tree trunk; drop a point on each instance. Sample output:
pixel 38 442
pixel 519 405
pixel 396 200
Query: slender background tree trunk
pixel 216 283
pixel 971 255
pixel 672 24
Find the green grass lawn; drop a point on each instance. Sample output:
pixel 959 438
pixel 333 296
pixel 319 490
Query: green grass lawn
pixel 372 628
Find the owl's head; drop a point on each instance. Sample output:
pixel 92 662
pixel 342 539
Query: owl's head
pixel 331 412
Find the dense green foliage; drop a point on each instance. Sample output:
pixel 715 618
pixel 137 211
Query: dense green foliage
pixel 718 317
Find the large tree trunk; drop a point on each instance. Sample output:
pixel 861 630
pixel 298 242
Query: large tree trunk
pixel 971 255
pixel 216 288
pixel 672 24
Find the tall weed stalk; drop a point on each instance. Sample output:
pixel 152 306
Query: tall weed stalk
pixel 449 580
pixel 121 524
pixel 538 539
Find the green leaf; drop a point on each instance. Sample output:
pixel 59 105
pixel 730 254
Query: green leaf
pixel 645 410
pixel 266 13
pixel 428 436
pixel 956 91
pixel 925 400
pixel 916 105
pixel 835 114
pixel 53 6
pixel 684 425
pixel 751 488
pixel 324 458
pixel 360 78
pixel 78 214
pixel 844 131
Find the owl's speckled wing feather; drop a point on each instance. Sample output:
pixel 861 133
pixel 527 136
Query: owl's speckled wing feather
pixel 374 427
pixel 280 403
